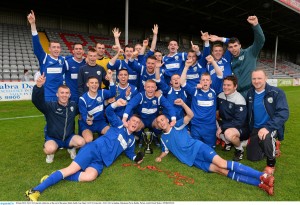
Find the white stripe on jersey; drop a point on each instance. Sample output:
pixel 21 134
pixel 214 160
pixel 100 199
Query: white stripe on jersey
pixel 122 141
pixel 99 108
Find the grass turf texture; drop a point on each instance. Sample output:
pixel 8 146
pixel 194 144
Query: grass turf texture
pixel 23 164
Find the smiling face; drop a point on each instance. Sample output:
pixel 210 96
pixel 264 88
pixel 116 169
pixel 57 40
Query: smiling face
pixel 63 94
pixel 133 124
pixel 163 123
pixel 150 88
pixel 93 85
pixel 259 80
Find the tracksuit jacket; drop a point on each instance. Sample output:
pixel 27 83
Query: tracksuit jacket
pixel 276 106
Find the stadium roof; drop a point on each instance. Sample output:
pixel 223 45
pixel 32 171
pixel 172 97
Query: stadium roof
pixel 220 17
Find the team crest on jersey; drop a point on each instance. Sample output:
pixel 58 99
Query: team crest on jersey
pixel 99 99
pixel 270 100
pixel 72 108
pixel 154 102
pixel 176 58
pixel 230 105
pixel 241 109
pixel 241 57
pixel 98 72
pixel 210 95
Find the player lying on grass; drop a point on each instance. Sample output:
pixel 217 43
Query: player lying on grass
pixel 91 159
pixel 194 152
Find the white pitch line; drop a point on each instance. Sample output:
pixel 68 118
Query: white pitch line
pixel 13 118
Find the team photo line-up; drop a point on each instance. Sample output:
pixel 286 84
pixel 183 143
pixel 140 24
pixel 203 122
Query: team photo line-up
pixel 189 101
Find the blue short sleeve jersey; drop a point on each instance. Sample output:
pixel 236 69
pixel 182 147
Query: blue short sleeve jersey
pixel 52 68
pixel 180 143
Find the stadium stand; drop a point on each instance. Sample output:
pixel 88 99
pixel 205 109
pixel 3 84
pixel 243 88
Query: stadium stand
pixel 16 52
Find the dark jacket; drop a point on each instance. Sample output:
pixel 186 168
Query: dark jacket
pixel 276 106
pixel 59 118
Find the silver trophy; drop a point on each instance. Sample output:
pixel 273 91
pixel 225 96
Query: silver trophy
pixel 148 137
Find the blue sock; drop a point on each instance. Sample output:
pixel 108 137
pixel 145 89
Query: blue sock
pixel 51 180
pixel 242 178
pixel 243 169
pixel 73 177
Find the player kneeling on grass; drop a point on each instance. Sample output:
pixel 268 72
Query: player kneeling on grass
pixel 92 158
pixel 60 116
pixel 194 152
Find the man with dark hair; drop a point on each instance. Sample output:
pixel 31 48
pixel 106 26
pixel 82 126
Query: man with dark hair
pixel 243 61
pixel 267 112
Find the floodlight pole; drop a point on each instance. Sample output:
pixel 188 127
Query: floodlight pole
pixel 275 57
pixel 126 21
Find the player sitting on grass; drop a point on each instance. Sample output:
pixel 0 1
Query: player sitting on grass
pixel 92 158
pixel 194 152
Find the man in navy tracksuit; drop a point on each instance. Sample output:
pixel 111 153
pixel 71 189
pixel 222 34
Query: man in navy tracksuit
pixel 60 116
pixel 267 112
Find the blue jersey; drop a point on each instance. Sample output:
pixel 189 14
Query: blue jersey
pixel 225 66
pixel 203 105
pixel 116 140
pixel 174 64
pixel 122 64
pixel 95 105
pixel 148 108
pixel 171 94
pixel 193 74
pixel 52 68
pixel 181 144
pixel 121 93
pixel 143 74
pixel 71 76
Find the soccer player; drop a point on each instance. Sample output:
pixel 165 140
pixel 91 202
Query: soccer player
pixel 147 105
pixel 232 110
pixel 102 60
pixel 50 64
pixel 203 125
pixel 172 92
pixel 72 66
pixel 124 90
pixel 267 113
pixel 60 116
pixel 92 158
pixel 91 108
pixel 146 72
pixel 194 152
pixel 116 64
pixel 243 61
pixel 91 68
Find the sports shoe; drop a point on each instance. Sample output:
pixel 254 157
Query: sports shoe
pixel 49 158
pixel 267 180
pixel 44 178
pixel 269 170
pixel 32 195
pixel 266 188
pixel 277 149
pixel 227 147
pixel 72 153
pixel 238 155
